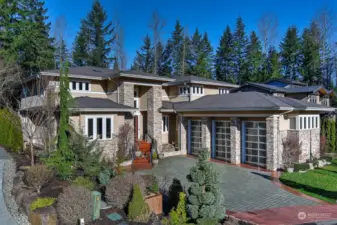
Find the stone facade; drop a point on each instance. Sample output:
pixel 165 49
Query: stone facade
pixel 272 142
pixel 206 130
pixel 126 94
pixel 154 120
pixel 183 127
pixel 310 140
pixel 235 140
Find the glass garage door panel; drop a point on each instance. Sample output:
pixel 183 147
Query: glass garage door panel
pixel 196 138
pixel 256 152
pixel 222 140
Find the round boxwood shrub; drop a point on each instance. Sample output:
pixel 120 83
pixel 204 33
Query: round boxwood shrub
pixel 84 182
pixel 74 203
pixel 119 190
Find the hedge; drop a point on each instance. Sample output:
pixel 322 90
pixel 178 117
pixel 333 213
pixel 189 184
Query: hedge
pixel 10 131
pixel 301 167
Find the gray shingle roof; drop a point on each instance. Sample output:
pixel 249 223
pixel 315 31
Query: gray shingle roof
pixel 190 79
pixel 99 103
pixel 307 89
pixel 252 101
pixel 89 71
pixel 286 81
pixel 267 87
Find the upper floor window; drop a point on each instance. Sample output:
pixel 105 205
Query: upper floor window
pixel 197 90
pixel 184 90
pixel 325 100
pixel 223 91
pixel 304 122
pixel 313 99
pixel 80 85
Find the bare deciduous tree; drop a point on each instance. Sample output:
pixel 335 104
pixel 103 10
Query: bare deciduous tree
pixel 118 48
pixel 157 24
pixel 267 27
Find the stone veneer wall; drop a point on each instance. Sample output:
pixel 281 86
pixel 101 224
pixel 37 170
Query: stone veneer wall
pixel 183 127
pixel 154 119
pixel 235 140
pixel 272 142
pixel 206 130
pixel 126 94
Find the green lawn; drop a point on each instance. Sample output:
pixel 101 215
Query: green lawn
pixel 320 183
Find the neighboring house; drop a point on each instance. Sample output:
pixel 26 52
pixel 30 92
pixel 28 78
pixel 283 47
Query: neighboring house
pixel 190 113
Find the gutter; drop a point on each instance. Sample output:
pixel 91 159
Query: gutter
pixel 74 76
pixel 102 110
pixel 232 109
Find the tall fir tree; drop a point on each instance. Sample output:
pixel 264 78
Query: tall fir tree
pixel 254 59
pixel 178 46
pixel 144 57
pixel 24 35
pixel 204 65
pixel 196 42
pixel 310 67
pixel 97 36
pixel 164 60
pixel 290 51
pixel 80 54
pixel 271 65
pixel 240 51
pixel 224 57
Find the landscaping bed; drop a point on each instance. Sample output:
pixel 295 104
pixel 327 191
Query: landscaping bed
pixel 320 183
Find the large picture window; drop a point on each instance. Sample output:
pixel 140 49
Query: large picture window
pixel 99 127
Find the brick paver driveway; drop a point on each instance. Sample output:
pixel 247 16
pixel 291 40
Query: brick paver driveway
pixel 244 189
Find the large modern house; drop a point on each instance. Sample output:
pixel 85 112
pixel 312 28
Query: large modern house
pixel 237 124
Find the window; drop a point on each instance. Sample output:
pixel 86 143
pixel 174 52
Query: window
pixel 80 86
pixel 136 99
pixel 99 127
pixel 223 91
pixel 197 90
pixel 313 99
pixel 184 90
pixel 304 122
pixel 165 124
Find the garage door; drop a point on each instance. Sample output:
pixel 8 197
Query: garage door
pixel 221 140
pixel 195 136
pixel 255 152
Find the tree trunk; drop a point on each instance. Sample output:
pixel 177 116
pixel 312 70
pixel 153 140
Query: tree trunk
pixel 31 153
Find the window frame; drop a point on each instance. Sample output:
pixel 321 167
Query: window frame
pixel 223 91
pixel 84 85
pixel 306 122
pixel 104 127
pixel 165 127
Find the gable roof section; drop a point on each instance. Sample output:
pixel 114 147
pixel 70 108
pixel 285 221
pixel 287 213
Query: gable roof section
pixel 248 101
pixel 89 104
pixel 190 79
pixel 307 89
pixel 267 87
pixel 286 81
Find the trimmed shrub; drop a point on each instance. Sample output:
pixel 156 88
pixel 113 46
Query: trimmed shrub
pixel 10 130
pixel 173 193
pixel 84 182
pixel 41 203
pixel 205 201
pixel 178 216
pixel 74 203
pixel 138 210
pixel 104 176
pixel 301 167
pixel 118 191
pixel 37 176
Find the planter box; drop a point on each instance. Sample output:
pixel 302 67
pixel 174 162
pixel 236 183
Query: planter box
pixel 155 202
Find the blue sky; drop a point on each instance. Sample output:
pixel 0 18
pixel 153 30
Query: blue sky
pixel 212 16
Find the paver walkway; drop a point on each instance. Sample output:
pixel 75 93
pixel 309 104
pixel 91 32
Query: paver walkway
pixel 244 189
pixel 5 217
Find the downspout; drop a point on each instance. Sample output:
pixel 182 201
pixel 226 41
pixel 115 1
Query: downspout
pixel 278 133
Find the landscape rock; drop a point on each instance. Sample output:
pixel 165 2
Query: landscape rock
pixel 43 216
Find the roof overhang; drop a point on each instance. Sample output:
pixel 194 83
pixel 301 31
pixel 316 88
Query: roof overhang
pixel 102 110
pixel 201 82
pixel 74 76
pixel 234 109
pixel 158 78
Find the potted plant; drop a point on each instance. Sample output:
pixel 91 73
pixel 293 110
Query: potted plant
pixel 155 160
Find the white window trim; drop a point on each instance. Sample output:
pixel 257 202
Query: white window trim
pixel 185 90
pixel 163 124
pixel 78 85
pixel 223 91
pixel 201 90
pixel 307 118
pixel 95 117
pixel 136 90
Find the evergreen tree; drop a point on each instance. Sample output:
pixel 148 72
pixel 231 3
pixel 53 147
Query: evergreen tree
pixel 178 45
pixel 205 201
pixel 224 57
pixel 254 59
pixel 311 57
pixel 24 35
pixel 80 48
pixel 61 53
pixel 96 36
pixel 164 61
pixel 271 65
pixel 290 51
pixel 196 45
pixel 240 51
pixel 144 57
